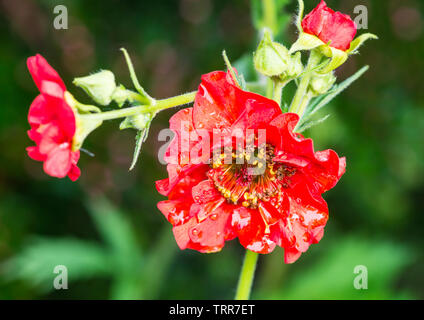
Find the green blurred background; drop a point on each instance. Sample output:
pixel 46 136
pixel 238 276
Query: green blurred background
pixel 106 228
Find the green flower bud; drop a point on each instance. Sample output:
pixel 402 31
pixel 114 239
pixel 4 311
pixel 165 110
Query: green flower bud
pixel 121 95
pixel 321 83
pixel 295 67
pixel 139 122
pixel 271 58
pixel 99 86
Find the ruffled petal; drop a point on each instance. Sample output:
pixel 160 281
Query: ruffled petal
pixel 41 71
pixel 251 230
pixel 212 232
pixel 34 154
pixel 331 27
pixel 177 212
pixel 58 163
pixel 219 104
pixel 39 113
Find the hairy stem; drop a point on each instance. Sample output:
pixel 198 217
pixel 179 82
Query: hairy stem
pixel 159 105
pixel 296 104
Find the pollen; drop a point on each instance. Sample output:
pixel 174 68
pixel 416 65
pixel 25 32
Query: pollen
pixel 257 178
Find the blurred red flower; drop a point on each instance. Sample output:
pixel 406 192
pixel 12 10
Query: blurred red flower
pixel 52 123
pixel 209 203
pixel 334 27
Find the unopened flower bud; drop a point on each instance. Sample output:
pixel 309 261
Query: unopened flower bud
pixel 321 83
pixel 295 67
pixel 271 58
pixel 99 86
pixel 139 122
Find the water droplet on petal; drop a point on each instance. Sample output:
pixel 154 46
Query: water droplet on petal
pixel 214 216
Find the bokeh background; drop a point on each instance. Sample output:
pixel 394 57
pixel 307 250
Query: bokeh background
pixel 106 228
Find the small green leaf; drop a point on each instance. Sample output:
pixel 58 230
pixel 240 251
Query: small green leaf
pixel 230 68
pixel 323 100
pixel 141 123
pixel 359 41
pixel 311 124
pixel 139 140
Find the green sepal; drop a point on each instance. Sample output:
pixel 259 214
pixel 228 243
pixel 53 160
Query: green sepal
pixel 141 123
pixel 84 124
pixel 306 41
pixel 359 41
pixel 338 57
pixel 144 95
pixel 139 140
pixel 299 17
pixel 321 83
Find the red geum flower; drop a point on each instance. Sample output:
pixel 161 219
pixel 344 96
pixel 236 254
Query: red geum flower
pixel 335 28
pixel 211 203
pixel 53 123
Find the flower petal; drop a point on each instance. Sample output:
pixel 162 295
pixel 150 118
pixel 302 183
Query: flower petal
pixel 58 163
pixel 41 71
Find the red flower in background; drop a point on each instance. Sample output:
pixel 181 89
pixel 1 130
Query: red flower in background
pixel 211 203
pixel 334 27
pixel 52 123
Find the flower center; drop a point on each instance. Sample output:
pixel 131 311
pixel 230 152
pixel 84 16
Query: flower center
pixel 249 176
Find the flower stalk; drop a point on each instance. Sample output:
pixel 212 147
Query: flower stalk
pixel 157 106
pixel 296 105
pixel 247 275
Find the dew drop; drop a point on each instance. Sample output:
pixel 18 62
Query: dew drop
pixel 195 232
pixel 214 217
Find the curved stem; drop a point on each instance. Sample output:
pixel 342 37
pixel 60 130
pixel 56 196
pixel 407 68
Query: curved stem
pixel 246 276
pixel 278 90
pixel 159 105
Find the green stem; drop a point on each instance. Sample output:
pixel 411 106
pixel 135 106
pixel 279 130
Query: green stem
pixel 159 105
pixel 246 276
pixel 269 12
pixel 314 59
pixel 278 90
pixel 305 102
